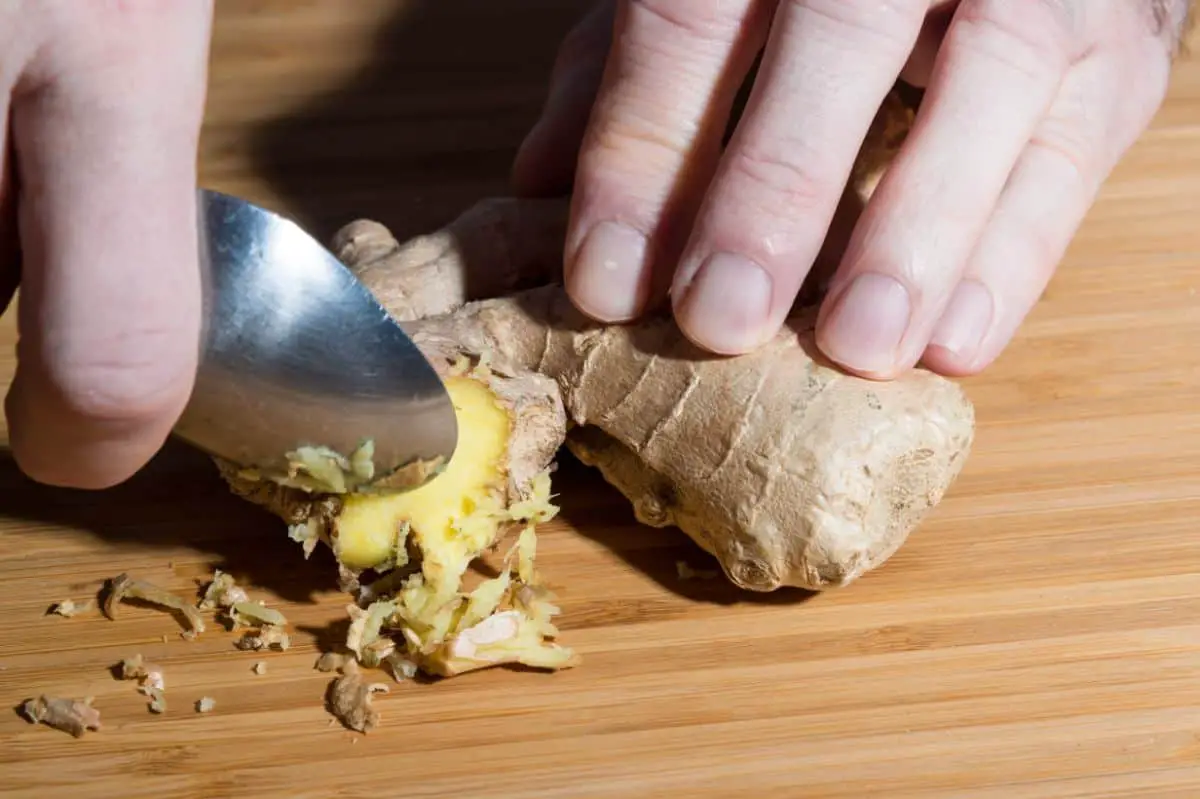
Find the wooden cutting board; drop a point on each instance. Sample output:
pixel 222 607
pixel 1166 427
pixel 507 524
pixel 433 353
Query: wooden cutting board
pixel 1038 637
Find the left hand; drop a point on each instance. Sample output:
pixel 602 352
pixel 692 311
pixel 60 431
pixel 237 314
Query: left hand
pixel 1029 105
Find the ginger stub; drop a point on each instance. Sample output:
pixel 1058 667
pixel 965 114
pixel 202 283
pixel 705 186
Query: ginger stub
pixel 786 469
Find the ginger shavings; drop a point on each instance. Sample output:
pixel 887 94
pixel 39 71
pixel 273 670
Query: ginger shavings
pixel 324 471
pixel 503 621
pixel 123 587
pixel 363 637
pixel 68 715
pixel 239 611
pixel 444 631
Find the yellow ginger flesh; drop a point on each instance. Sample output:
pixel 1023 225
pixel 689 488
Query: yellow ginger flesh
pixel 453 516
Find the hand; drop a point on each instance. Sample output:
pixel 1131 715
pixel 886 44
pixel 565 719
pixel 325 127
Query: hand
pixel 1028 107
pixel 101 105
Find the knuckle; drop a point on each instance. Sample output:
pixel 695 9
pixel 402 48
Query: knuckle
pixel 631 143
pixel 887 23
pixel 1072 150
pixel 1034 38
pixel 705 20
pixel 783 182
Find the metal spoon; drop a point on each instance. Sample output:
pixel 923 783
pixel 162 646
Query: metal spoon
pixel 298 353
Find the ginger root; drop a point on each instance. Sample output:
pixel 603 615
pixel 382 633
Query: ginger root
pixel 786 469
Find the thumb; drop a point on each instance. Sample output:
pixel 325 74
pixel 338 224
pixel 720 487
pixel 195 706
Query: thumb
pixel 105 137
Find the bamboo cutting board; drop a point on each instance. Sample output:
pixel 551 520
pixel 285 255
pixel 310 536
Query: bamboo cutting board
pixel 1039 636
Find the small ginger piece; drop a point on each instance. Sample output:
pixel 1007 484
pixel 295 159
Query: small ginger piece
pixel 68 715
pixel 157 696
pixel 222 592
pixel 136 668
pixel 150 678
pixel 123 587
pixel 68 608
pixel 260 667
pixel 249 614
pixel 265 637
pixel 350 699
pixel 205 704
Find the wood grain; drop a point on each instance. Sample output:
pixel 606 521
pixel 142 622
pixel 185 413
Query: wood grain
pixel 1038 637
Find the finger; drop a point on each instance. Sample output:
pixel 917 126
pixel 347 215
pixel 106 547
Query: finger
pixel 106 136
pixel 825 72
pixel 1047 197
pixel 996 75
pixel 10 272
pixel 653 139
pixel 545 162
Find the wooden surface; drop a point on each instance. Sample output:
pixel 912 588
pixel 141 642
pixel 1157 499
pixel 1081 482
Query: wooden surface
pixel 1038 637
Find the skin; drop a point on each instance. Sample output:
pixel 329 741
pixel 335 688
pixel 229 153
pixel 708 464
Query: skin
pixel 1028 107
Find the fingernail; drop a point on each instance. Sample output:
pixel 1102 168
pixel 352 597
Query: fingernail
pixel 865 328
pixel 610 277
pixel 966 320
pixel 725 307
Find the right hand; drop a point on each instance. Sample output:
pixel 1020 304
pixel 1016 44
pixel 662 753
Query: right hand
pixel 101 104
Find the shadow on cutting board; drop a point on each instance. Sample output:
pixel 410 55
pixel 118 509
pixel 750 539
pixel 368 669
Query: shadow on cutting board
pixel 599 512
pixel 177 501
pixel 429 126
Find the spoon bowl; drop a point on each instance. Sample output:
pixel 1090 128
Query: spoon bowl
pixel 297 353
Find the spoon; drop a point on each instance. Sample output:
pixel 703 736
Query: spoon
pixel 299 357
